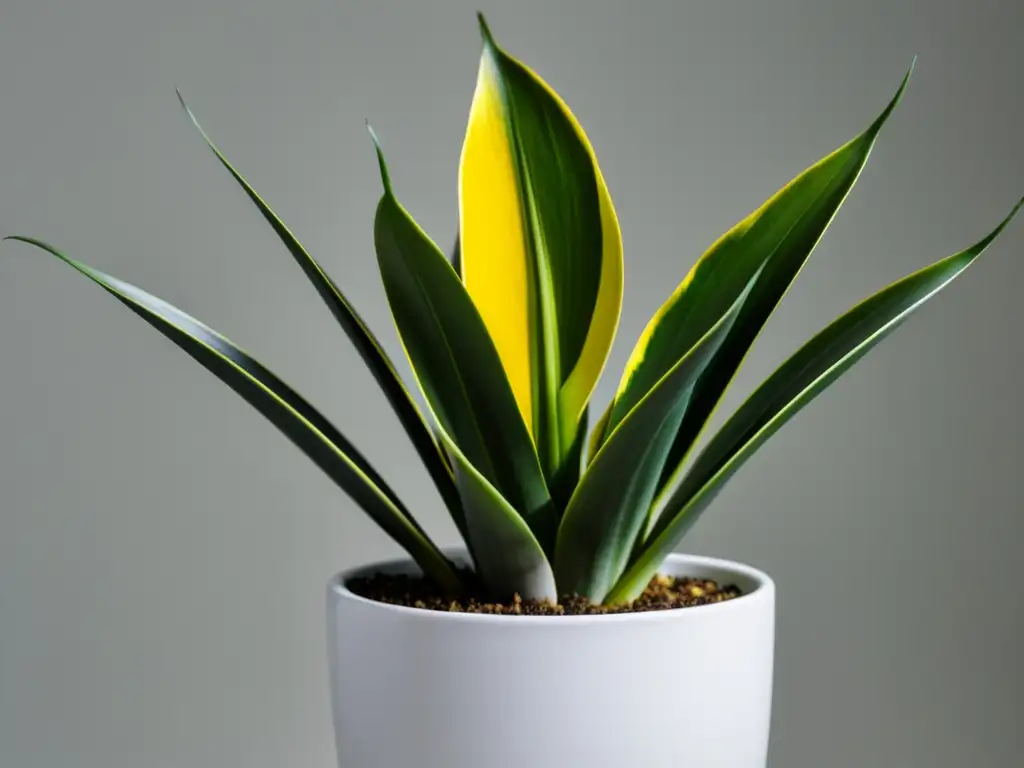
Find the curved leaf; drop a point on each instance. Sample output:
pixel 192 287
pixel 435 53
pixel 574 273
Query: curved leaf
pixel 563 483
pixel 777 238
pixel 597 435
pixel 456 363
pixel 793 385
pixel 508 557
pixel 285 408
pixel 541 252
pixel 607 513
pixel 377 361
pixel 457 257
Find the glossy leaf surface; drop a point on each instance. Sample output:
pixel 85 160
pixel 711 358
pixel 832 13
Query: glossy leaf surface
pixel 286 409
pixel 509 558
pixel 541 252
pixel 791 387
pixel 456 363
pixel 776 239
pixel 609 509
pixel 366 344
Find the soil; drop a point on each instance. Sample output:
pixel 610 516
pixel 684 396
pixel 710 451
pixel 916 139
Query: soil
pixel 663 593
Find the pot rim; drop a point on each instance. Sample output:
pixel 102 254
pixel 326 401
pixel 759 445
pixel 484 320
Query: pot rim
pixel 760 587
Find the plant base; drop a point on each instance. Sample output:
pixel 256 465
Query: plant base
pixel 663 593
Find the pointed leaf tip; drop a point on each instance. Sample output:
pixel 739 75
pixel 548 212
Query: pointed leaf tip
pixel 28 240
pixel 199 127
pixel 485 30
pixel 1002 225
pixel 355 328
pixel 894 102
pixel 184 105
pixel 906 77
pixel 385 177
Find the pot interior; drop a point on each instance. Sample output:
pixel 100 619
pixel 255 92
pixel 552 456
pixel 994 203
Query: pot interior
pixel 725 572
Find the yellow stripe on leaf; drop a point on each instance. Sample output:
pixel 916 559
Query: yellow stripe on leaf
pixel 540 246
pixel 492 235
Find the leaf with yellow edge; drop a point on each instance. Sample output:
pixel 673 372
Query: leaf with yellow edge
pixel 608 510
pixel 376 359
pixel 540 248
pixel 598 433
pixel 777 239
pixel 800 379
pixel 456 364
pixel 507 556
pixel 296 418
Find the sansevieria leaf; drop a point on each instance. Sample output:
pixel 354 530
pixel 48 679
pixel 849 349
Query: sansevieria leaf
pixel 540 248
pixel 457 257
pixel 608 511
pixel 792 386
pixel 777 239
pixel 509 558
pixel 457 365
pixel 376 359
pixel 563 483
pixel 597 434
pixel 285 408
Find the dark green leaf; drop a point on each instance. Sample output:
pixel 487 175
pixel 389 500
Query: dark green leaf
pixel 509 558
pixel 798 381
pixel 457 257
pixel 781 235
pixel 608 512
pixel 567 477
pixel 777 239
pixel 362 338
pixel 285 408
pixel 457 365
pixel 541 252
pixel 597 435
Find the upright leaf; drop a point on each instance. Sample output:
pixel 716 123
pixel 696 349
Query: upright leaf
pixel 456 363
pixel 541 252
pixel 608 511
pixel 286 409
pixel 777 239
pixel 598 433
pixel 509 559
pixel 457 257
pixel 362 338
pixel 793 385
pixel 563 483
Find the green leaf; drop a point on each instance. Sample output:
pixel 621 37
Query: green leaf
pixel 777 239
pixel 597 435
pixel 509 558
pixel 563 483
pixel 607 513
pixel 541 252
pixel 286 409
pixel 376 359
pixel 456 363
pixel 795 384
pixel 457 257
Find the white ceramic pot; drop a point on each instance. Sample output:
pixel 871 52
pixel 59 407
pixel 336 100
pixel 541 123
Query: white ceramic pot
pixel 686 688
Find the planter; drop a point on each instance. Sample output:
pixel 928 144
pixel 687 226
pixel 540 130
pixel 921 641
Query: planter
pixel 686 688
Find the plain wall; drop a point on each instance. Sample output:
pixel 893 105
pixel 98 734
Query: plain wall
pixel 163 550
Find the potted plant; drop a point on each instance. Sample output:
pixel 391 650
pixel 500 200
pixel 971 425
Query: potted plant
pixel 566 632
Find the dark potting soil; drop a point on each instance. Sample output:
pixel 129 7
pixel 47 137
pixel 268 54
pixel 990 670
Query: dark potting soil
pixel 663 593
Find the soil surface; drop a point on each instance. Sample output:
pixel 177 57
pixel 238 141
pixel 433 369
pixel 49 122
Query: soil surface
pixel 663 593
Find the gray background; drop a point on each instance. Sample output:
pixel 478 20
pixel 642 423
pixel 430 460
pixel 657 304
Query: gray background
pixel 163 550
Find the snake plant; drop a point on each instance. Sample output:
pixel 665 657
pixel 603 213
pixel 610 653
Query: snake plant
pixel 507 339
